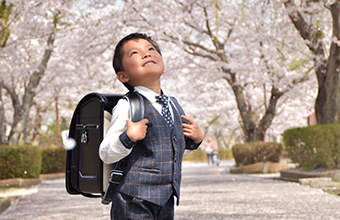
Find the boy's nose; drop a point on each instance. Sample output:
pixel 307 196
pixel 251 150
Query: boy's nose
pixel 146 55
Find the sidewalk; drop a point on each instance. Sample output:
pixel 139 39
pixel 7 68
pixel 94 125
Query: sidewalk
pixel 207 192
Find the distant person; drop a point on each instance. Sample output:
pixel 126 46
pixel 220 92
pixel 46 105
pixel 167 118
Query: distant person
pixel 209 149
pixel 216 159
pixel 154 146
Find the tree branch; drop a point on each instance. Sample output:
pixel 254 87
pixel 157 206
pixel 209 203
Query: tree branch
pixel 271 110
pixel 306 31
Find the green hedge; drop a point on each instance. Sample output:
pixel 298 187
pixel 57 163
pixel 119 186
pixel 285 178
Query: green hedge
pixel 20 162
pixel 314 147
pixel 53 160
pixel 200 155
pixel 253 152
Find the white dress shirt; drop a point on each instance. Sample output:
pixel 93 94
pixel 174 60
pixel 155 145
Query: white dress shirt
pixel 111 149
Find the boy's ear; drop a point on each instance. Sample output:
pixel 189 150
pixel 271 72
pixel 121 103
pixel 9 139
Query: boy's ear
pixel 122 77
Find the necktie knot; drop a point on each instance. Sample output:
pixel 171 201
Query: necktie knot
pixel 162 99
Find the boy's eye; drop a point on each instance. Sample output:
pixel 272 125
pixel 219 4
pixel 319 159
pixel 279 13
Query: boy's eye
pixel 133 52
pixel 151 48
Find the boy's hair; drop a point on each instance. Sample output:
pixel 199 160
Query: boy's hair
pixel 118 53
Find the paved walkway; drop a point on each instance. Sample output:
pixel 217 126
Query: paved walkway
pixel 206 193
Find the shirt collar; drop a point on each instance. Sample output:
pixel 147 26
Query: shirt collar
pixel 147 93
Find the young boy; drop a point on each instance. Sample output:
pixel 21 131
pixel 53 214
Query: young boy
pixel 154 145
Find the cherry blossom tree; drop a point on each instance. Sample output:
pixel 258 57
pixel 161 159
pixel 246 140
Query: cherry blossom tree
pixel 51 50
pixel 250 45
pixel 312 18
pixel 5 11
pixel 28 25
pixel 28 80
pixel 233 65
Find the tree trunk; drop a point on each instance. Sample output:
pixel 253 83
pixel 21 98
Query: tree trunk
pixel 338 114
pixel 19 127
pixel 39 110
pixel 252 131
pixel 2 119
pixel 221 143
pixel 36 126
pixel 248 125
pixel 327 71
pixel 57 123
pixel 17 112
pixel 326 105
pixel 5 11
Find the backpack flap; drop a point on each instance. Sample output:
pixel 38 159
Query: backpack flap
pixel 84 168
pixel 90 132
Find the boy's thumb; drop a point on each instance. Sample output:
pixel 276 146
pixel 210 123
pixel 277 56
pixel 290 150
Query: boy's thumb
pixel 128 122
pixel 145 120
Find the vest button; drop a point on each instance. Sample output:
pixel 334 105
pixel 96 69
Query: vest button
pixel 175 138
pixel 176 160
pixel 175 182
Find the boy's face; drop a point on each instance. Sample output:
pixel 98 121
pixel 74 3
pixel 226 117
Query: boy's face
pixel 142 64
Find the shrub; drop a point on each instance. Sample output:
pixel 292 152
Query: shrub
pixel 314 147
pixel 249 153
pixel 53 160
pixel 20 161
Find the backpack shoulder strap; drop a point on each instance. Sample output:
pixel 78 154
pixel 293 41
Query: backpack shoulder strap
pixel 136 106
pixel 137 113
pixel 178 108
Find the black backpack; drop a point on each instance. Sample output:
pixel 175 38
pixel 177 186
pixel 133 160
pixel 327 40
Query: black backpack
pixel 86 174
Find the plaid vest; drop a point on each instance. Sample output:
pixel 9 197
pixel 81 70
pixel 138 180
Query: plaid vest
pixel 153 170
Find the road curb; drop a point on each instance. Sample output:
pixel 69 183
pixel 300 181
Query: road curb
pixel 6 201
pixel 30 181
pixel 19 182
pixel 315 179
pixel 297 174
pixel 260 167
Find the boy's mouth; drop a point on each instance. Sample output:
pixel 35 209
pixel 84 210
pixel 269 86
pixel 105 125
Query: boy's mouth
pixel 148 63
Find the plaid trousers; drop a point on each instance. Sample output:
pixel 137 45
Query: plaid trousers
pixel 127 207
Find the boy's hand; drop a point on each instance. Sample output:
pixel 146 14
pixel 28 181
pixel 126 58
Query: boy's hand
pixel 192 130
pixel 137 131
